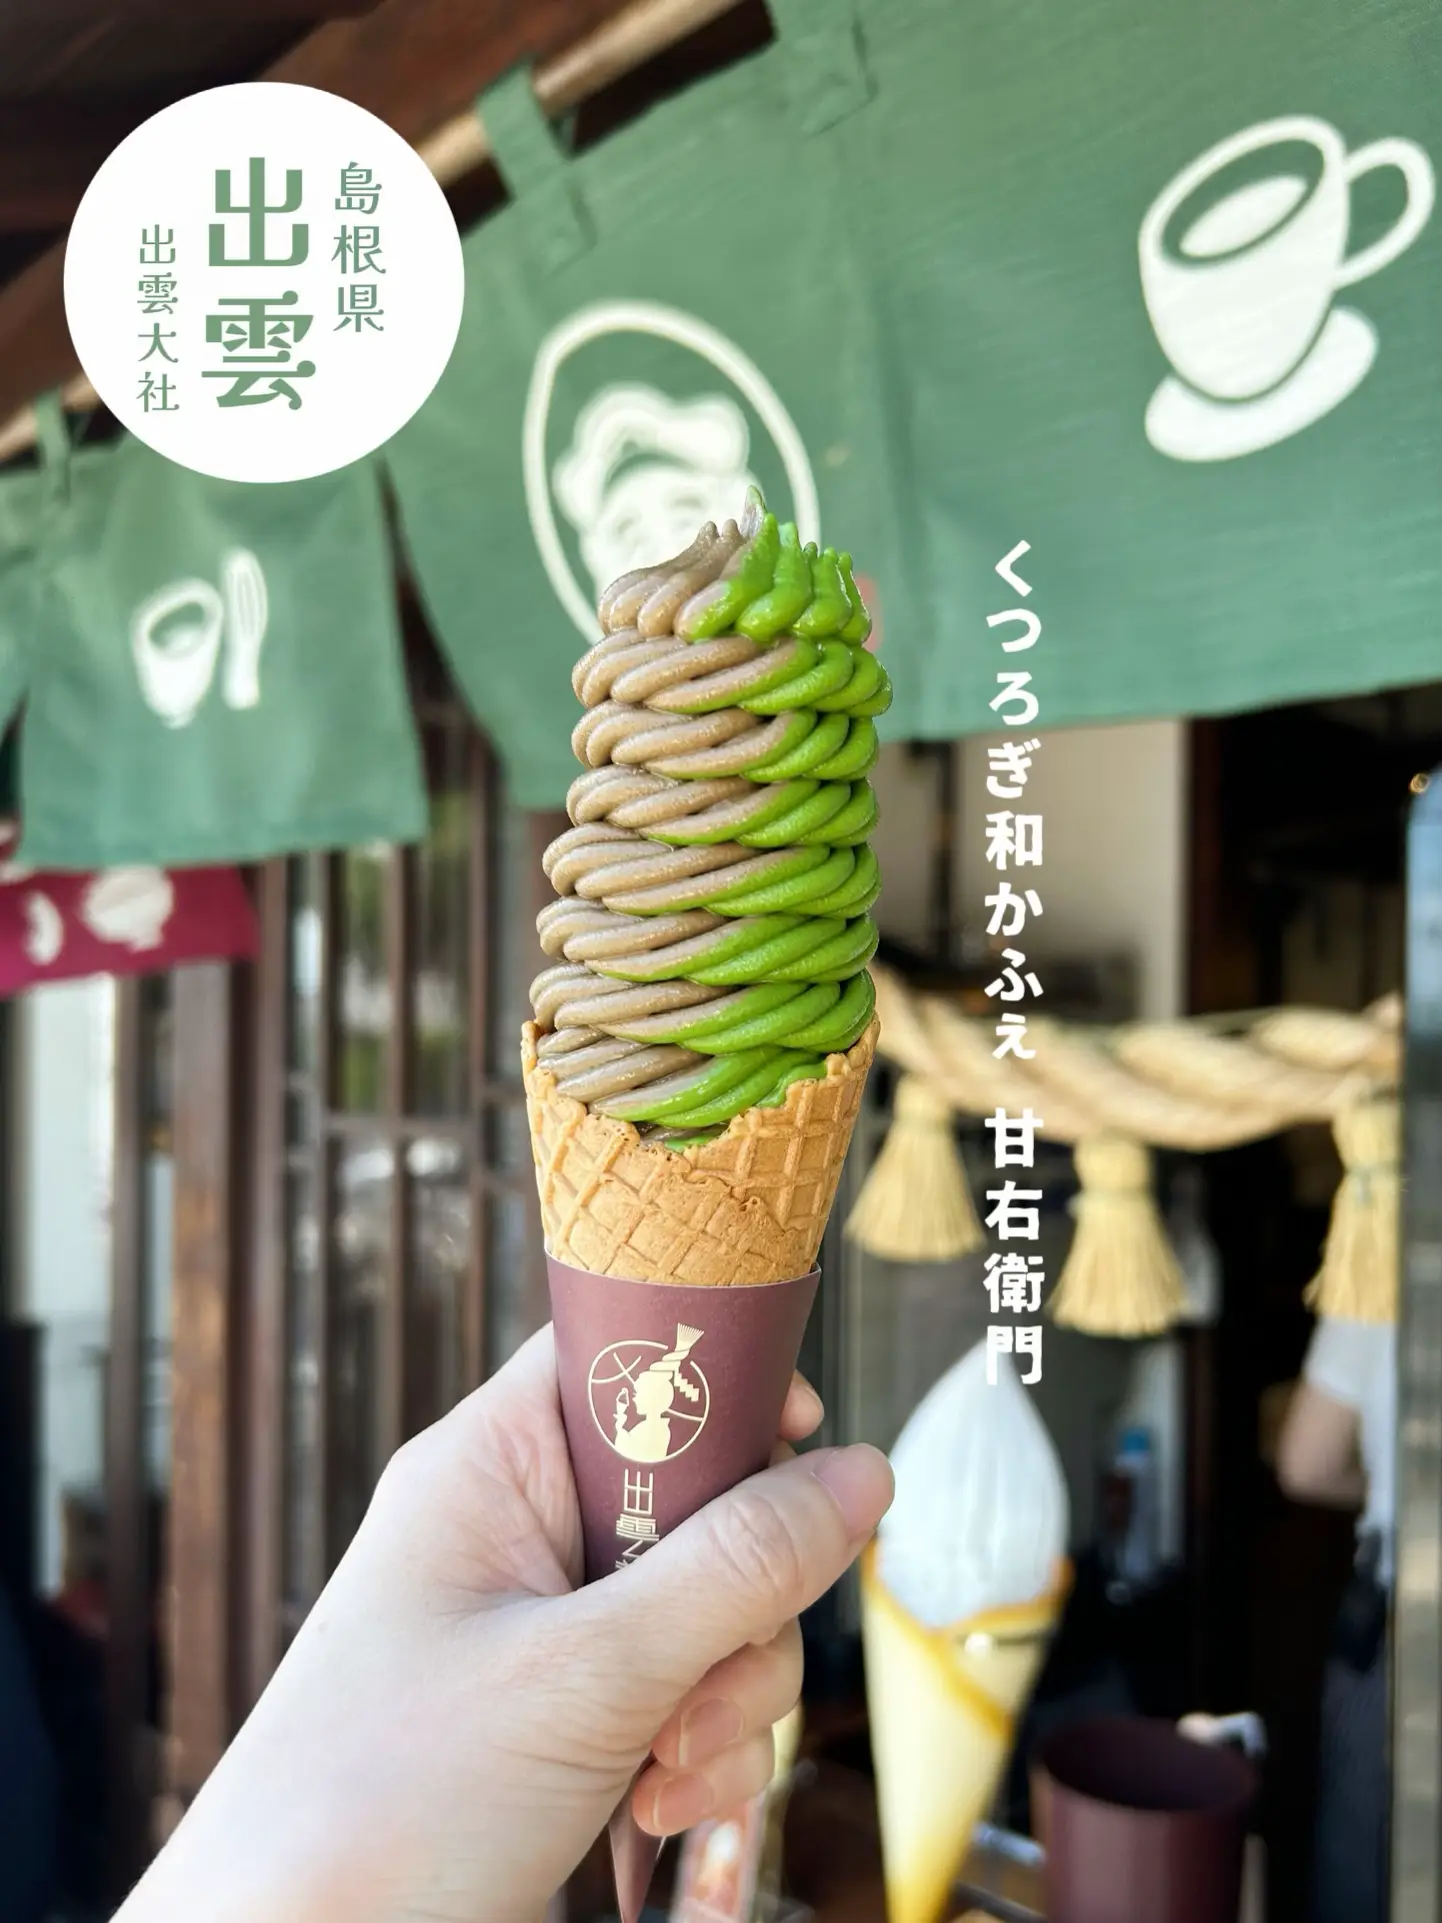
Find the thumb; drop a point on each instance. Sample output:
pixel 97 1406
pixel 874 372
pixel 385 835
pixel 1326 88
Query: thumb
pixel 736 1571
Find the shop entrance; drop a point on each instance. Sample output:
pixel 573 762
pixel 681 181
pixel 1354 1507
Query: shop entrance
pixel 1297 897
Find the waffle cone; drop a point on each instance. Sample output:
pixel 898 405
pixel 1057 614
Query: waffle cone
pixel 748 1208
pixel 943 1706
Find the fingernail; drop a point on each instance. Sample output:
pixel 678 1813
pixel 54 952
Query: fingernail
pixel 812 1405
pixel 859 1478
pixel 681 1802
pixel 707 1728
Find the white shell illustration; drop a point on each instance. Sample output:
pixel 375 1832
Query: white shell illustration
pixel 44 931
pixel 130 906
pixel 981 1515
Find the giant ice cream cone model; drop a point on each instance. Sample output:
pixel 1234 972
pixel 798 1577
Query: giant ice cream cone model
pixel 703 1034
pixel 959 1593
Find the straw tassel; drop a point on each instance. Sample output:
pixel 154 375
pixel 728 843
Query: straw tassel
pixel 1358 1279
pixel 915 1204
pixel 1120 1277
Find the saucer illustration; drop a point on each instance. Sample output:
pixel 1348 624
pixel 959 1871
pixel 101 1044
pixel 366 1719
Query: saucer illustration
pixel 1190 426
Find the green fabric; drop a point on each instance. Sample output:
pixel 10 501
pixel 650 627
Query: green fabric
pixel 21 506
pixel 215 669
pixel 1000 191
pixel 29 497
pixel 720 207
pixel 24 496
pixel 924 222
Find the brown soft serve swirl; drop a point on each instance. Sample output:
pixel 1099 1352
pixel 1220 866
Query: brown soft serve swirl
pixel 711 932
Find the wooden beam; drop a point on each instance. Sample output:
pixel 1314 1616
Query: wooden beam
pixel 49 154
pixel 58 16
pixel 418 65
pixel 415 63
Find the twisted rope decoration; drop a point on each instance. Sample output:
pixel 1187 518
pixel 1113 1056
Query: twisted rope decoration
pixel 1178 1085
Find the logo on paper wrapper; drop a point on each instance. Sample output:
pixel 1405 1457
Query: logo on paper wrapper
pixel 648 1401
pixel 263 282
pixel 1241 256
pixel 622 463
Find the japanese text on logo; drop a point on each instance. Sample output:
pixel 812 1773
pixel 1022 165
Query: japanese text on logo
pixel 257 330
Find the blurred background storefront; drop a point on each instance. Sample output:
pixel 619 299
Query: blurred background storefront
pixel 271 1211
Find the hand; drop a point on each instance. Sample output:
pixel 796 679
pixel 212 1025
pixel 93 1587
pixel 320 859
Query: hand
pixel 454 1723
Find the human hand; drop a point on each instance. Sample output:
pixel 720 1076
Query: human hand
pixel 454 1723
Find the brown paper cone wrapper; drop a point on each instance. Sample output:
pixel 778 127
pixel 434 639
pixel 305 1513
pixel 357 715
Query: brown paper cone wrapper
pixel 670 1397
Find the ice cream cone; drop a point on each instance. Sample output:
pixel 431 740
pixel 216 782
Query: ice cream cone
pixel 747 1208
pixel 943 1707
pixel 681 1283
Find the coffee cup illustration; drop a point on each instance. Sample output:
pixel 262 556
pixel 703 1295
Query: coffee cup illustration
pixel 1242 256
pixel 176 636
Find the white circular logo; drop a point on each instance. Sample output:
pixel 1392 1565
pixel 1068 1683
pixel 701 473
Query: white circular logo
pixel 264 282
pixel 645 465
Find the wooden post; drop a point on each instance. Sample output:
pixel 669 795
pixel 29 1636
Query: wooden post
pixel 261 1344
pixel 200 1572
pixel 127 1517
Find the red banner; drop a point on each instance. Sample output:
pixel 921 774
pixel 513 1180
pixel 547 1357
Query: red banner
pixel 120 921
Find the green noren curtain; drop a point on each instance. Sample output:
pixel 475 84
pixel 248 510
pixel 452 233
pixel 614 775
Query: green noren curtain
pixel 213 669
pixel 21 509
pixel 649 325
pixel 27 497
pixel 1167 286
pixel 1156 290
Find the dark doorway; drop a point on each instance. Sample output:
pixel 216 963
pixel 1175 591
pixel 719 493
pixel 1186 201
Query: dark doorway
pixel 1298 825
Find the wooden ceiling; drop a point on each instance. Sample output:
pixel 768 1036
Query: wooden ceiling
pixel 77 75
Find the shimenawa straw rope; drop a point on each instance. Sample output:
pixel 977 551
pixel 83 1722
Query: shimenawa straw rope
pixel 1113 1093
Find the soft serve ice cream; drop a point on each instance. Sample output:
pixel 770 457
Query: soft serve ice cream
pixel 959 1596
pixel 713 925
